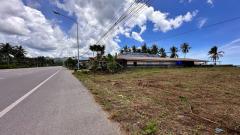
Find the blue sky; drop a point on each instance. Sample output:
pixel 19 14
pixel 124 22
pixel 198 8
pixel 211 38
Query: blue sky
pixel 62 32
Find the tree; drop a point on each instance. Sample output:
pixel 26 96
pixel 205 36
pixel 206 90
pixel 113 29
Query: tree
pixel 112 64
pixel 125 48
pixel 144 48
pixel 18 52
pixel 100 49
pixel 154 49
pixel 134 49
pixel 92 48
pixel 6 51
pixel 174 51
pixel 162 53
pixel 185 48
pixel 215 54
pixel 70 63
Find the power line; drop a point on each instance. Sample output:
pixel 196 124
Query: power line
pixel 113 25
pixel 128 12
pixel 204 27
pixel 122 19
pixel 130 18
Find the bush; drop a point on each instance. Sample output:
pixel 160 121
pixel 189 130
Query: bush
pixel 105 64
pixel 150 128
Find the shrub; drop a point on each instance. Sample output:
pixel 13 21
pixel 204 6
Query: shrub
pixel 150 128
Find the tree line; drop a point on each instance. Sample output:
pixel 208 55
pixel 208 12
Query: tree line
pixel 185 48
pixel 214 53
pixel 15 57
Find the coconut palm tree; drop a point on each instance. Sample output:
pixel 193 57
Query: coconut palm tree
pixel 174 51
pixel 6 51
pixel 134 49
pixel 92 48
pixel 144 48
pixel 100 49
pixel 154 49
pixel 185 48
pixel 162 53
pixel 19 52
pixel 215 54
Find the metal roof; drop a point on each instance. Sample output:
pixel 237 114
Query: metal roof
pixel 144 57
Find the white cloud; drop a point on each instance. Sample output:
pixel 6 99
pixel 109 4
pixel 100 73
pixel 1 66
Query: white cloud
pixel 202 22
pixel 162 23
pixel 210 2
pixel 182 1
pixel 33 3
pixel 137 36
pixel 23 24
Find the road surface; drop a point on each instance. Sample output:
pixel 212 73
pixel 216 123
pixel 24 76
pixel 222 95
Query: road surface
pixel 49 101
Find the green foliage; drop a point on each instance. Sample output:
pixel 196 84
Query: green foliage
pixel 112 64
pixel 150 128
pixel 185 48
pixel 174 51
pixel 183 99
pixel 162 53
pixel 70 63
pixel 134 49
pixel 215 54
pixel 105 64
pixel 14 57
pixel 144 48
pixel 100 49
pixel 154 49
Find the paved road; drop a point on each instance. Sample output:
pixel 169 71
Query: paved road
pixel 49 101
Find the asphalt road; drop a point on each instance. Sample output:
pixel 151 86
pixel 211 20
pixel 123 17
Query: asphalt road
pixel 49 101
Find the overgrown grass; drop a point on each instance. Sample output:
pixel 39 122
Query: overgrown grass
pixel 170 101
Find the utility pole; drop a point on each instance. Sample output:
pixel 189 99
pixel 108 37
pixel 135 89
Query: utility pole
pixel 57 13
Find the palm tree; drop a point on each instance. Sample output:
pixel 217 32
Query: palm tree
pixel 6 50
pixel 134 49
pixel 126 49
pixel 174 51
pixel 19 52
pixel 144 48
pixel 92 48
pixel 154 49
pixel 185 48
pixel 100 49
pixel 215 54
pixel 162 53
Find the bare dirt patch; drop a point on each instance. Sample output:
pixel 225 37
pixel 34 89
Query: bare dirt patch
pixel 170 101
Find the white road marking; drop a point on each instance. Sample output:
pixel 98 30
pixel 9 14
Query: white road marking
pixel 10 107
pixel 1 78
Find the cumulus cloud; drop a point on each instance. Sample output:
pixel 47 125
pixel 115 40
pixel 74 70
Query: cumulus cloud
pixel 29 27
pixel 137 36
pixel 26 25
pixel 33 3
pixel 162 23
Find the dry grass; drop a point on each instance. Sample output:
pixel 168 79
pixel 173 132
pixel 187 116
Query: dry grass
pixel 170 101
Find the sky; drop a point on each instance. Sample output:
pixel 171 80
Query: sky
pixel 32 24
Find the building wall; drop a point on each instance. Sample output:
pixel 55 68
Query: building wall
pixel 150 63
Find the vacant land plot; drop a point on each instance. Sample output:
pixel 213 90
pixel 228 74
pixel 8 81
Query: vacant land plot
pixel 170 101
